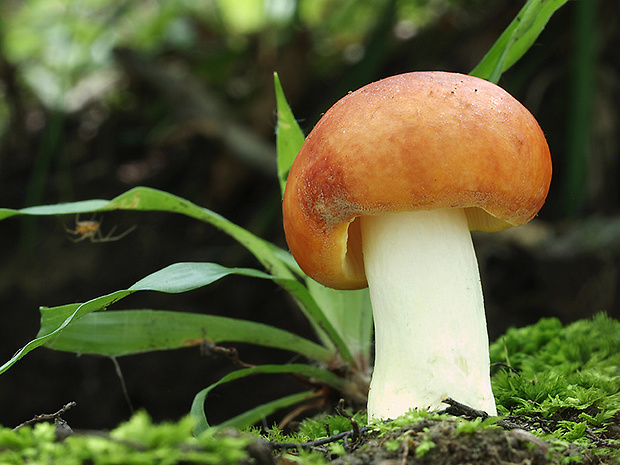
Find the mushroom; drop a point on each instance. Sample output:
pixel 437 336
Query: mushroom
pixel 384 193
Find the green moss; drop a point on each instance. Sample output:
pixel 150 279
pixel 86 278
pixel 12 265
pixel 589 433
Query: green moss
pixel 425 445
pixel 567 379
pixel 138 441
pixel 566 391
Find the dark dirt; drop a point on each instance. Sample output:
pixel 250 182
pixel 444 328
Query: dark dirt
pixel 488 446
pixel 445 442
pixel 484 447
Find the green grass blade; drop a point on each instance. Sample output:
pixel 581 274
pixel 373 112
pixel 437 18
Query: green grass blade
pixel 277 261
pixel 179 277
pixel 187 276
pixel 289 139
pixel 148 199
pixel 125 332
pixel 289 136
pixel 326 331
pixel 316 374
pixel 76 311
pixel 257 414
pixel 350 313
pixel 517 39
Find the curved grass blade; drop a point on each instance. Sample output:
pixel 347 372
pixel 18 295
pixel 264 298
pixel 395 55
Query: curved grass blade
pixel 182 277
pixel 289 136
pixel 148 199
pixel 350 312
pixel 517 38
pixel 125 332
pixel 353 335
pixel 274 259
pixel 187 276
pixel 257 414
pixel 326 331
pixel 176 278
pixel 317 374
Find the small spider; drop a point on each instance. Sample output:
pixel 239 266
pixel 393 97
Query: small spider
pixel 91 230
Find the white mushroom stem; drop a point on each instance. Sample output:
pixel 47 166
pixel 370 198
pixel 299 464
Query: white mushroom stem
pixel 431 339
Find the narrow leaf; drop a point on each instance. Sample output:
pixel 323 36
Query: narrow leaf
pixel 176 278
pixel 125 332
pixel 187 276
pixel 253 416
pixel 148 199
pixel 517 38
pixel 289 136
pixel 326 331
pixel 316 374
pixel 350 313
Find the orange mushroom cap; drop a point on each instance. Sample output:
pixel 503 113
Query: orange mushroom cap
pixel 415 141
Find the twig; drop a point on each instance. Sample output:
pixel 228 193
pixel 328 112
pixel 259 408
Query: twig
pixel 354 435
pixel 230 352
pixel 121 378
pixel 47 416
pixel 318 442
pixel 406 443
pixel 505 365
pixel 600 442
pixel 461 410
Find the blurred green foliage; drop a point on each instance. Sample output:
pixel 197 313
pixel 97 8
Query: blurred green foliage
pixel 582 353
pixel 137 441
pixel 65 48
pixel 63 56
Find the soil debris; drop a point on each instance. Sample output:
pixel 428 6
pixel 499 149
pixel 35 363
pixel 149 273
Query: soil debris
pixel 440 442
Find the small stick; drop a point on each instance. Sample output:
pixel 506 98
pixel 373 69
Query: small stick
pixel 47 416
pixel 505 365
pixel 356 437
pixel 354 434
pixel 461 410
pixel 318 442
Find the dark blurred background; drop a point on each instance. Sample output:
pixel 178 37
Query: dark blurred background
pixel 98 97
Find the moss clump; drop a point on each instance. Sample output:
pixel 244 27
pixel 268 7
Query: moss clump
pixel 564 382
pixel 139 441
pixel 558 389
pixel 439 442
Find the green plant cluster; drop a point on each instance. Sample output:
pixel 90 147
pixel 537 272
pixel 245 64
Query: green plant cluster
pixel 138 441
pixel 342 320
pixel 566 380
pixel 566 393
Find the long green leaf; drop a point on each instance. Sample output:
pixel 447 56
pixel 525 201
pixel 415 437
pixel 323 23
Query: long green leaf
pixel 350 313
pixel 327 332
pixel 316 374
pixel 179 277
pixel 343 318
pixel 257 414
pixel 289 136
pixel 517 38
pixel 118 333
pixel 276 260
pixel 148 199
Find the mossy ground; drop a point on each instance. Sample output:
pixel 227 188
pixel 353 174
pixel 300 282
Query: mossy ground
pixel 558 392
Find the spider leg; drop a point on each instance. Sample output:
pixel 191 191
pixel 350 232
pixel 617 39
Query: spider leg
pixel 109 237
pixel 97 236
pixel 81 238
pixel 123 234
